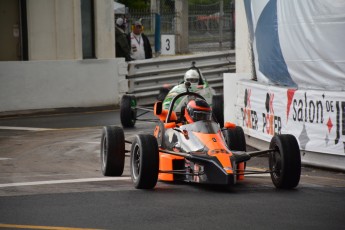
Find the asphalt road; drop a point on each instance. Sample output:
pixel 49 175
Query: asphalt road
pixel 50 178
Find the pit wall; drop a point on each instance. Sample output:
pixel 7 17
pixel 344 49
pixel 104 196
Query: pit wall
pixel 315 118
pixel 60 83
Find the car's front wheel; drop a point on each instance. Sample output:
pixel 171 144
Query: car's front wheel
pixel 144 161
pixel 285 161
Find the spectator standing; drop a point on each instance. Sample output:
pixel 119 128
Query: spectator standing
pixel 139 43
pixel 122 46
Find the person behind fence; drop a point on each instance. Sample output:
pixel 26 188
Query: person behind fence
pixel 122 45
pixel 139 43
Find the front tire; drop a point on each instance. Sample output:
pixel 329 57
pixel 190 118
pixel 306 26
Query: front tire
pixel 128 111
pixel 285 161
pixel 112 151
pixel 144 161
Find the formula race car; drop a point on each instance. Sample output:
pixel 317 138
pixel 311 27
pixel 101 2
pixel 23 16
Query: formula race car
pixel 130 112
pixel 192 147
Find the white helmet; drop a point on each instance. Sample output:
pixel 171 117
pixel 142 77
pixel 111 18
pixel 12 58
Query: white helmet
pixel 192 76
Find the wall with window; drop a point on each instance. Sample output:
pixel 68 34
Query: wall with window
pixel 70 56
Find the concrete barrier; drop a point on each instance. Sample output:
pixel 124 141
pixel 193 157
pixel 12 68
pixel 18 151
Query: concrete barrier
pixel 146 77
pixel 60 84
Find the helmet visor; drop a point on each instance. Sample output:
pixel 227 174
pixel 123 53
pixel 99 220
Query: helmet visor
pixel 202 115
pixel 192 80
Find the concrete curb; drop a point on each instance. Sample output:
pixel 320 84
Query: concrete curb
pixel 35 112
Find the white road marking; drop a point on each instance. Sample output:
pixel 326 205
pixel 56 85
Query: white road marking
pixel 85 142
pixel 25 128
pixel 258 175
pixel 64 181
pixel 4 159
pixel 12 226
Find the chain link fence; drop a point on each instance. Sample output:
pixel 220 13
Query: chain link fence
pixel 211 26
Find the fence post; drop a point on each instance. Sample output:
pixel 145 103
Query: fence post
pixel 221 23
pixel 154 9
pixel 156 24
pixel 158 34
pixel 181 25
pixel 233 27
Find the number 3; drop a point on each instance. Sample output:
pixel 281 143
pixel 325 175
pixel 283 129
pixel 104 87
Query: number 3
pixel 168 44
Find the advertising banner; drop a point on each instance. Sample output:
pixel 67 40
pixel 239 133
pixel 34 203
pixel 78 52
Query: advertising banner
pixel 298 43
pixel 315 118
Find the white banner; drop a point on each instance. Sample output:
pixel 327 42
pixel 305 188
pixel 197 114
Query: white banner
pixel 315 118
pixel 298 43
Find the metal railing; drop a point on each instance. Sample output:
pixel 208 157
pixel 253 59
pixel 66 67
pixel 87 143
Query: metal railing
pixel 146 77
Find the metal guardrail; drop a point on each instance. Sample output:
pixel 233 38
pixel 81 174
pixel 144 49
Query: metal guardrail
pixel 146 77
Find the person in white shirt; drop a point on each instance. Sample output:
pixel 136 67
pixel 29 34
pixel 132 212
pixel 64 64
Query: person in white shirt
pixel 139 43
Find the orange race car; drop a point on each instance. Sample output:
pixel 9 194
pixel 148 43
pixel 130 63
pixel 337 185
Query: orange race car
pixel 192 147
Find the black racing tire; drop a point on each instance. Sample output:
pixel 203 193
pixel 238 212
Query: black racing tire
pixel 235 139
pixel 218 109
pixel 144 161
pixel 112 151
pixel 163 92
pixel 285 161
pixel 128 112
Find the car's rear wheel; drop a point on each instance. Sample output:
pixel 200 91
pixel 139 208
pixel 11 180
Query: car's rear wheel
pixel 128 111
pixel 112 151
pixel 235 139
pixel 218 109
pixel 144 161
pixel 285 161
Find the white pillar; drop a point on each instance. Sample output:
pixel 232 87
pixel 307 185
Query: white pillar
pixel 243 51
pixel 104 29
pixel 182 33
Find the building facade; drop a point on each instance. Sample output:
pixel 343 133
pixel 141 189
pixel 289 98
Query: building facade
pixel 58 53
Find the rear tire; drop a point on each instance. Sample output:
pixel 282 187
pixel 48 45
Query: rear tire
pixel 235 139
pixel 128 112
pixel 285 161
pixel 218 109
pixel 144 161
pixel 112 151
